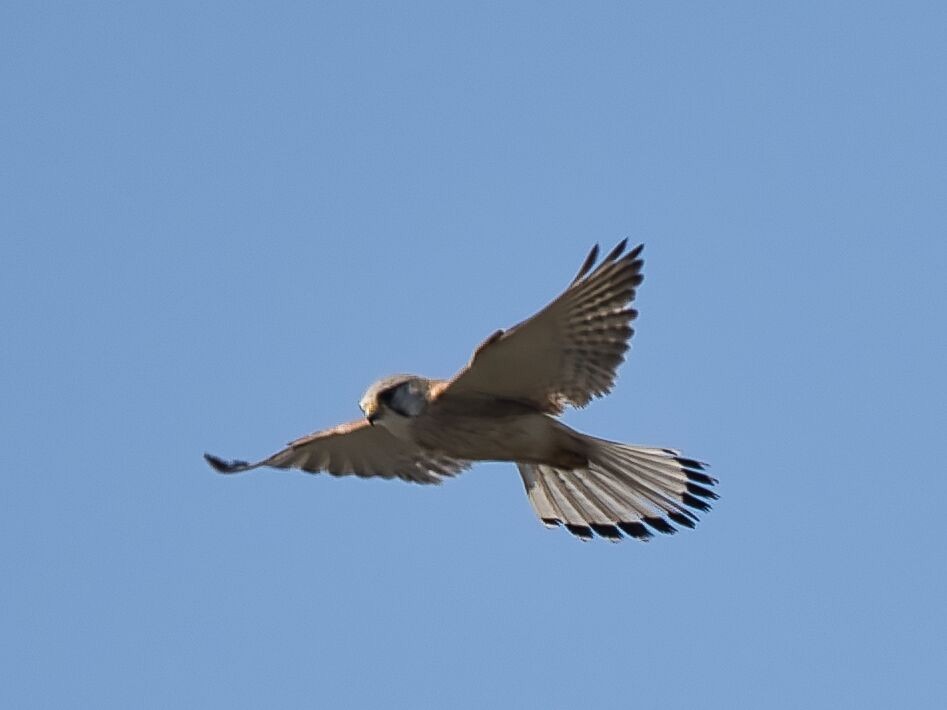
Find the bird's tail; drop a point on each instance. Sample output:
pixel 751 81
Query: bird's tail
pixel 623 489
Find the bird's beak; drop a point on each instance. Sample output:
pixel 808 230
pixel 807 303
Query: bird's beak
pixel 371 414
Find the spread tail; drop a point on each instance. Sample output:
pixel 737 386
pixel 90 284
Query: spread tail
pixel 623 489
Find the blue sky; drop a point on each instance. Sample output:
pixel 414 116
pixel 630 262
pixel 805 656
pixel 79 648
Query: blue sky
pixel 220 222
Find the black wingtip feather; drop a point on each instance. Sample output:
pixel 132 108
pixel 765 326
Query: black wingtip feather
pixel 611 257
pixel 616 252
pixel 222 466
pixel 587 264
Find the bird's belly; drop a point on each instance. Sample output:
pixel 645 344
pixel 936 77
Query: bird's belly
pixel 530 438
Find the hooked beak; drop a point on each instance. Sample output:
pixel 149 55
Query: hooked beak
pixel 371 413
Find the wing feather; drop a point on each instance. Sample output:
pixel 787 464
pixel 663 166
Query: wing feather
pixel 355 448
pixel 569 352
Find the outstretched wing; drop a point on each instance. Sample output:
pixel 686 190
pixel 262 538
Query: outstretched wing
pixel 355 448
pixel 569 352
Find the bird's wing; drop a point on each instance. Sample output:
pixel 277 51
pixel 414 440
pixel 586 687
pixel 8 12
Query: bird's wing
pixel 355 448
pixel 567 353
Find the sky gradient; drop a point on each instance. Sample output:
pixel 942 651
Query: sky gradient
pixel 220 222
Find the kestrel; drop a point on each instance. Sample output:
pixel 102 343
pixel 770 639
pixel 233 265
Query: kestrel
pixel 502 407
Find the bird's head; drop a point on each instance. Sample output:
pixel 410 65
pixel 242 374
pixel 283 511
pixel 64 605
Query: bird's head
pixel 398 396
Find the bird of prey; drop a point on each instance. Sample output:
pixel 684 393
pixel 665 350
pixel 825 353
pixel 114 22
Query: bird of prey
pixel 502 407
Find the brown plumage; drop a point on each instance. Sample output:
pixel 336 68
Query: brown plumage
pixel 501 406
pixel 354 448
pixel 569 352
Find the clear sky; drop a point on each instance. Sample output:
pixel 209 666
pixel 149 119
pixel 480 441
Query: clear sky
pixel 220 221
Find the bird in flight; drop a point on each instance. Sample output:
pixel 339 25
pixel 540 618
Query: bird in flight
pixel 502 407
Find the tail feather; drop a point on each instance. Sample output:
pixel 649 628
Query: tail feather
pixel 630 506
pixel 649 482
pixel 634 475
pixel 625 489
pixel 571 515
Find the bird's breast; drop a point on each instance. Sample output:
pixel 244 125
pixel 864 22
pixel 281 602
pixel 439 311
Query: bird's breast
pixel 398 426
pixel 530 437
